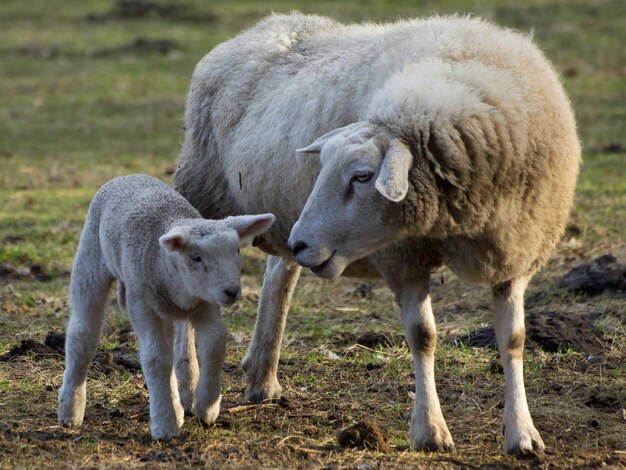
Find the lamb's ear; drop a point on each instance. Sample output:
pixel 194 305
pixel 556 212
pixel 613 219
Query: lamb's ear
pixel 176 239
pixel 393 180
pixel 316 147
pixel 249 226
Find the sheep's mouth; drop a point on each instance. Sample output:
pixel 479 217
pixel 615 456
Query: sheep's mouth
pixel 321 267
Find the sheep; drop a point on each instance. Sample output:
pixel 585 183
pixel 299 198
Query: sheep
pixel 444 141
pixel 171 264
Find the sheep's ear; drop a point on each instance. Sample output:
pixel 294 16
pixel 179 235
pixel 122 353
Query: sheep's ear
pixel 249 226
pixel 393 180
pixel 175 240
pixel 316 147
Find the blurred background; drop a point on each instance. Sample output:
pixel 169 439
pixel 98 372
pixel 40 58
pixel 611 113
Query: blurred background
pixel 89 90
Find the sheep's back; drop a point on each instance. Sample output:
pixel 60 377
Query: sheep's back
pixel 506 165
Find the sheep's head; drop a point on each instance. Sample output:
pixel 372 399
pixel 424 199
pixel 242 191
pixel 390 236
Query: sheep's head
pixel 354 206
pixel 206 255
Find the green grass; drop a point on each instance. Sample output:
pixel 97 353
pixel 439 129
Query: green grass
pixel 70 119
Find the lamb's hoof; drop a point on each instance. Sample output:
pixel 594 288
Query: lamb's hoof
pixel 208 414
pixel 187 402
pixel 523 442
pixel 180 415
pixel 432 438
pixel 164 432
pixel 70 421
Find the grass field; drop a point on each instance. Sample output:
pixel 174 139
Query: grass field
pixel 88 91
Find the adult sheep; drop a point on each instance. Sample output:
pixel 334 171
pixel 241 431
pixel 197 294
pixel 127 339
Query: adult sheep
pixel 449 141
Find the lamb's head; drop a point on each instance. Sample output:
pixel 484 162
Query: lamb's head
pixel 206 255
pixel 355 203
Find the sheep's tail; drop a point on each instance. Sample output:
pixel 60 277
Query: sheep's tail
pixel 199 175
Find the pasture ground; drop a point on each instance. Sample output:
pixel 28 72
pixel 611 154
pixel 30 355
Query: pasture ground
pixel 91 90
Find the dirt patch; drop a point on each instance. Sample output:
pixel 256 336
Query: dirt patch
pixel 34 272
pixel 56 341
pixel 550 331
pixel 139 46
pixel 370 339
pixel 364 435
pixel 362 291
pixel 122 356
pixel 140 9
pixel 601 274
pixel 611 147
pixel 28 347
pixel 606 400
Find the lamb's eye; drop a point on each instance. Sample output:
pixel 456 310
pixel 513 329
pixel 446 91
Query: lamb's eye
pixel 195 258
pixel 362 176
pixel 238 250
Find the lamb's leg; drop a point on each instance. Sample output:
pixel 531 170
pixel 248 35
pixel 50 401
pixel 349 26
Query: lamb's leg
pixel 186 365
pixel 261 361
pixel 520 435
pixel 211 335
pixel 428 427
pixel 156 353
pixel 89 287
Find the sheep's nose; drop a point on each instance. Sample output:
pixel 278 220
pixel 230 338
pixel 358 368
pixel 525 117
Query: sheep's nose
pixel 232 293
pixel 297 247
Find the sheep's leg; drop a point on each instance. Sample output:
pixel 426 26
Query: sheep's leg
pixel 156 353
pixel 428 427
pixel 186 365
pixel 211 335
pixel 89 286
pixel 261 361
pixel 520 435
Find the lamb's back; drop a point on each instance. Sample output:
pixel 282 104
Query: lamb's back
pixel 132 212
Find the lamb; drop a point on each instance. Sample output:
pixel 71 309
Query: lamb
pixel 171 264
pixel 444 141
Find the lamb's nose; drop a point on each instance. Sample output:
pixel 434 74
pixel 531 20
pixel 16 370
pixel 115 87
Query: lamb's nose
pixel 297 247
pixel 232 293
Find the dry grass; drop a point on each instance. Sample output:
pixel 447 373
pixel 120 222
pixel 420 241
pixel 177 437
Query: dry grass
pixel 71 118
pixel 330 382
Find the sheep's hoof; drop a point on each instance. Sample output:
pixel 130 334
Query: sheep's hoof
pixel 265 391
pixel 432 438
pixel 523 442
pixel 261 386
pixel 70 416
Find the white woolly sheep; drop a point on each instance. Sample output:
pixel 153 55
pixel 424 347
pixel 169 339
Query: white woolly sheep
pixel 459 148
pixel 171 264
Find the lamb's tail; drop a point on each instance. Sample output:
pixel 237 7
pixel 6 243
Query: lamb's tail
pixel 121 295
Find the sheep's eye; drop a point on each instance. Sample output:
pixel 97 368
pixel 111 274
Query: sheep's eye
pixel 362 176
pixel 238 250
pixel 195 258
